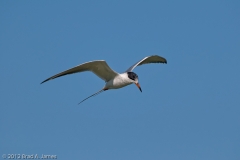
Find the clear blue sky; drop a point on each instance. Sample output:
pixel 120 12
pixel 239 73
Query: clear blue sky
pixel 189 108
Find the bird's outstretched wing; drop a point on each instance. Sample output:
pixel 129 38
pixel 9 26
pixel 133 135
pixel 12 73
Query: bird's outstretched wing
pixel 100 68
pixel 146 60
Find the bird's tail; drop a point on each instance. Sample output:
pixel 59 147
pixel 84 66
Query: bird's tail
pixel 94 94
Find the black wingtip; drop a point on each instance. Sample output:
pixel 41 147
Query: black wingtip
pixel 165 61
pixel 44 81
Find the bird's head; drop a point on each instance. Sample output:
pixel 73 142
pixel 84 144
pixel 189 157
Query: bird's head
pixel 134 78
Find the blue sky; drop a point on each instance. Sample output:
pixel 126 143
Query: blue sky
pixel 189 108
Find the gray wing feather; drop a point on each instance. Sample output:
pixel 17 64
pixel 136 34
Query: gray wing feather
pixel 146 60
pixel 100 68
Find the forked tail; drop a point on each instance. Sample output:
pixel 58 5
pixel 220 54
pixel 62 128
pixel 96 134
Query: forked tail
pixel 94 94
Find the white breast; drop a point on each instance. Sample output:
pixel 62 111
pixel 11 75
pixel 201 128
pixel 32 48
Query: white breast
pixel 119 81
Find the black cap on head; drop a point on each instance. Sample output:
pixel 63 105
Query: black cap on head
pixel 132 75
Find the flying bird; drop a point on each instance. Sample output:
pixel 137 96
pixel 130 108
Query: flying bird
pixel 113 79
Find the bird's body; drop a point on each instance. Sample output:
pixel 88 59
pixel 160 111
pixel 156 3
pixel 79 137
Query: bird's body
pixel 113 79
pixel 121 80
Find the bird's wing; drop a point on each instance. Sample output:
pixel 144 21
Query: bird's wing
pixel 100 68
pixel 146 60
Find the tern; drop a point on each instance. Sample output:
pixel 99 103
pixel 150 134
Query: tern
pixel 113 79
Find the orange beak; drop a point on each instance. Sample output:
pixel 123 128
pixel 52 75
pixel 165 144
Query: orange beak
pixel 137 84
